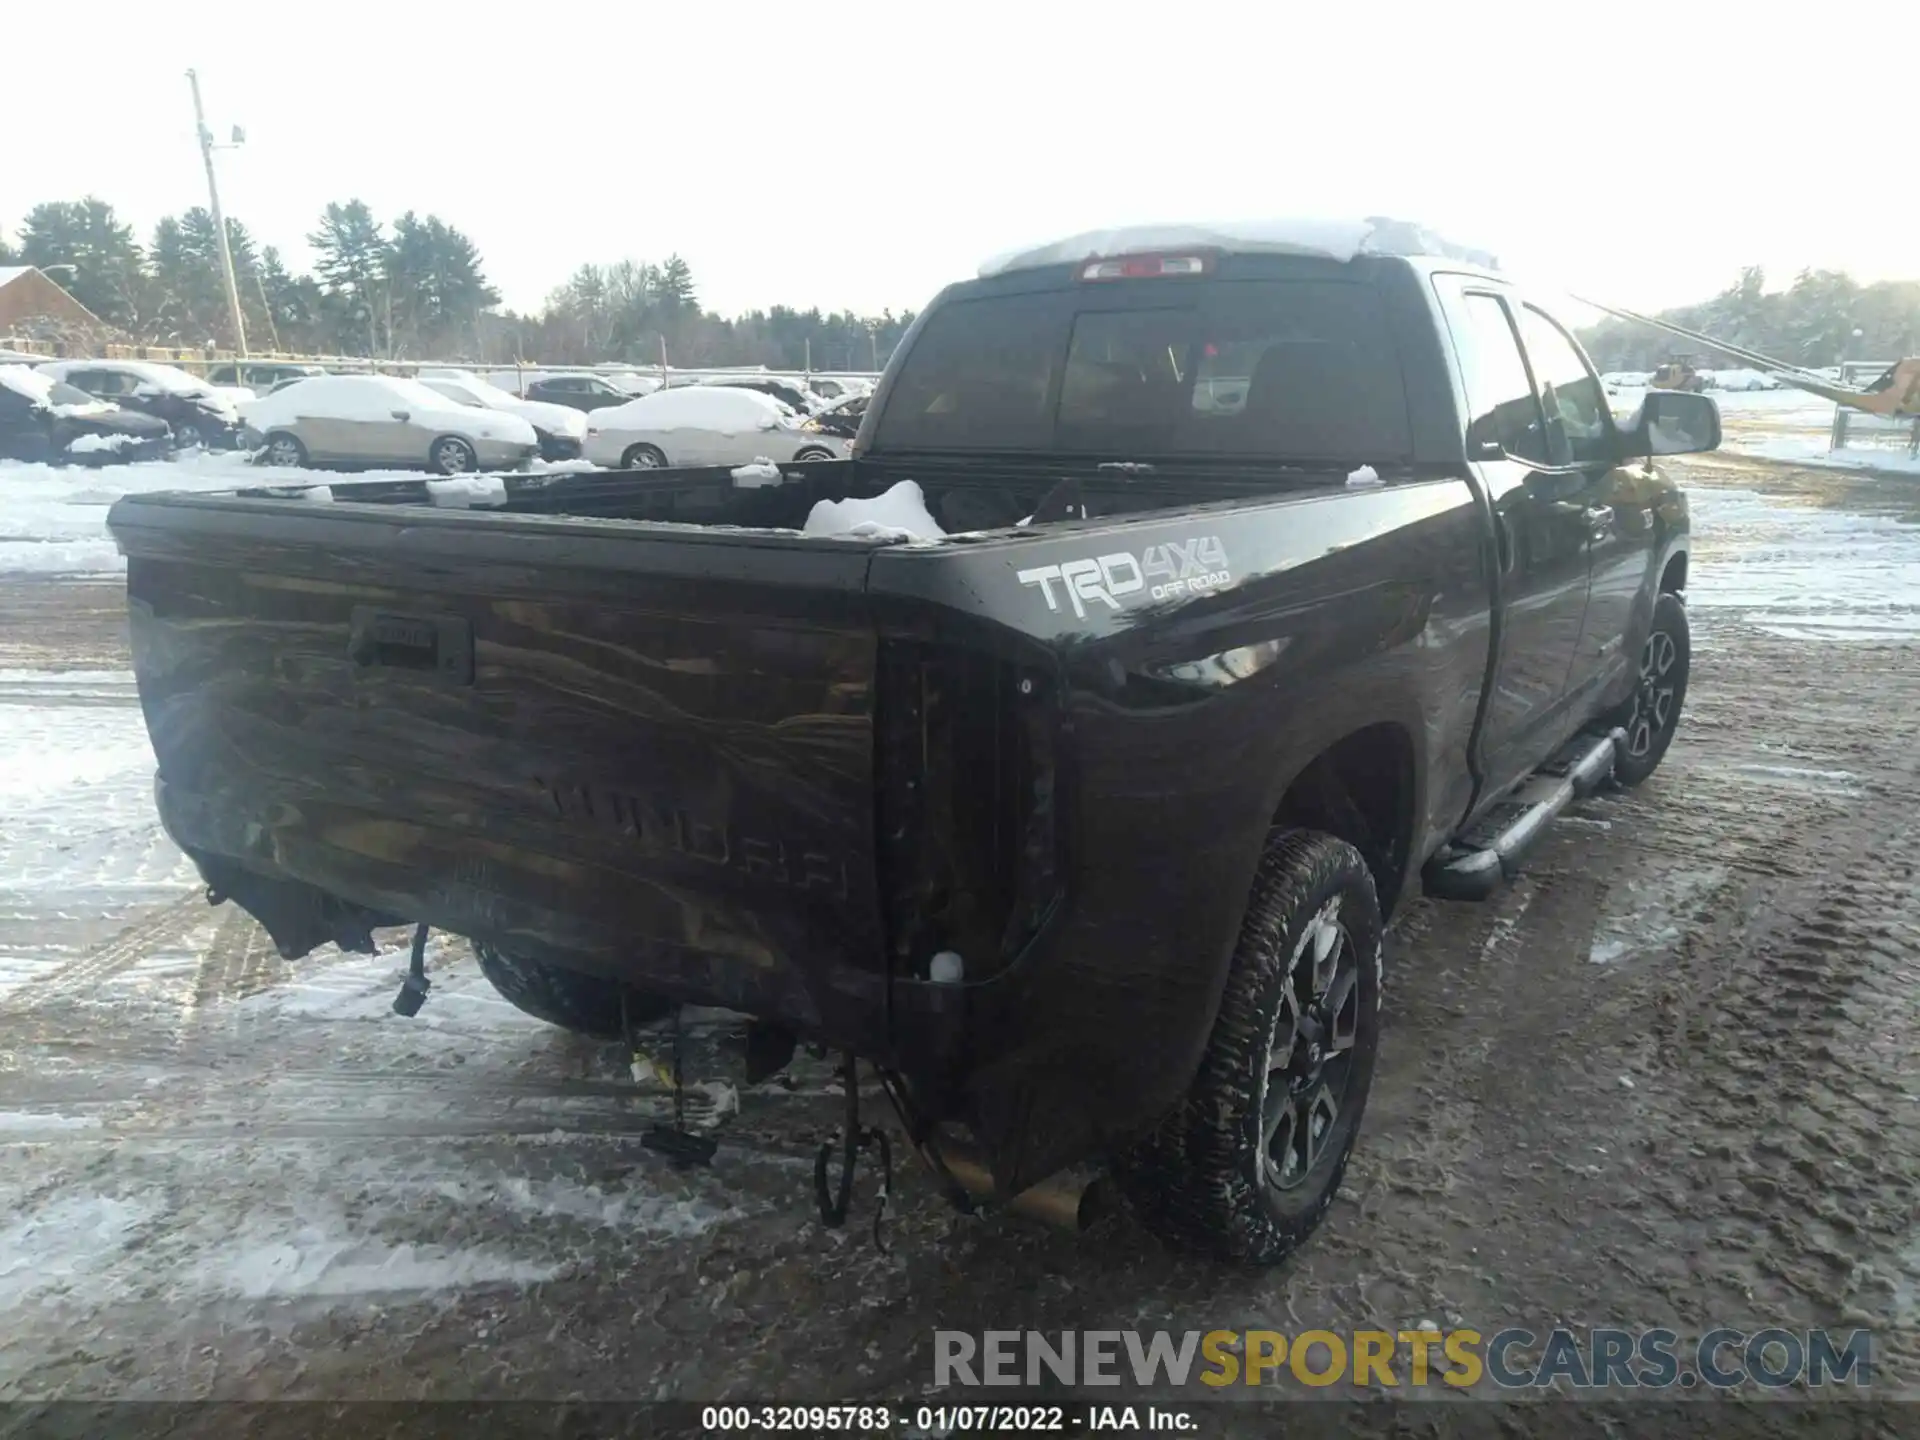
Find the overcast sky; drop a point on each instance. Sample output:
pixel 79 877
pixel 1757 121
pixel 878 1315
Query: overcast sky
pixel 855 155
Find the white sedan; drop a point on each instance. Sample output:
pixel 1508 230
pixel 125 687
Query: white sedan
pixel 704 425
pixel 369 420
pixel 560 428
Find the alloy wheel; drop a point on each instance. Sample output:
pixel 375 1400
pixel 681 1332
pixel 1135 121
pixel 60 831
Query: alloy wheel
pixel 1311 1053
pixel 1653 696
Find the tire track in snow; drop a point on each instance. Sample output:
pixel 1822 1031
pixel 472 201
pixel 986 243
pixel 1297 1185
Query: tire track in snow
pixel 101 964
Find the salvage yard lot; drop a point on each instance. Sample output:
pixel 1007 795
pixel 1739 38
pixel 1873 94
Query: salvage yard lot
pixel 1672 1077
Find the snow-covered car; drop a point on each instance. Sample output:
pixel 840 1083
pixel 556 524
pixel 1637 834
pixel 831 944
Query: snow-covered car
pixel 559 429
pixel 375 420
pixel 197 412
pixel 704 425
pixel 45 419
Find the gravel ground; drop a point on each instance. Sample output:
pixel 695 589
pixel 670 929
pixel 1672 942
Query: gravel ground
pixel 1669 1078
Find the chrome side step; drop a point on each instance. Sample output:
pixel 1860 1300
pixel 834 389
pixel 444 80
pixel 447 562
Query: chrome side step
pixel 1475 869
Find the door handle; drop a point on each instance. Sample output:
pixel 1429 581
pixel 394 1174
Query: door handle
pixel 1600 521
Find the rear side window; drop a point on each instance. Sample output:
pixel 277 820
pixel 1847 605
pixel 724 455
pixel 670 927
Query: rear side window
pixel 1500 398
pixel 1297 369
pixel 979 375
pixel 1280 369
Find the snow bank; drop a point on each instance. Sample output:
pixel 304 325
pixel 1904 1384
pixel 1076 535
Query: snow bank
pixel 900 514
pixel 1742 380
pixel 1364 477
pixel 464 492
pixel 314 1262
pixel 319 494
pixel 99 444
pixel 54 521
pixel 1331 238
pixel 761 472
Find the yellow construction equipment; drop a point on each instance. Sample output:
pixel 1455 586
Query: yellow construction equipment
pixel 1896 394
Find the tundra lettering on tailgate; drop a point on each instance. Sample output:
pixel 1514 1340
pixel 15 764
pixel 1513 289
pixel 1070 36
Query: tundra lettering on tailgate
pixel 1194 566
pixel 671 829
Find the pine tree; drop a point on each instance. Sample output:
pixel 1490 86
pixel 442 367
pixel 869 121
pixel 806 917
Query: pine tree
pixel 102 259
pixel 675 286
pixel 353 269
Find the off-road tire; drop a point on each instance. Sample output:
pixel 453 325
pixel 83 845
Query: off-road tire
pixel 584 1004
pixel 1202 1180
pixel 1670 621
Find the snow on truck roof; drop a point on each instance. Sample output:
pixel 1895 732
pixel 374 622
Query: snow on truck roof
pixel 1330 238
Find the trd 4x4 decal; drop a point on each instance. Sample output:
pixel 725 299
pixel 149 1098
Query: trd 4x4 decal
pixel 1179 567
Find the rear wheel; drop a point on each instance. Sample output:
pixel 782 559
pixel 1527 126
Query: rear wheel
pixel 814 453
pixel 451 455
pixel 584 1004
pixel 1652 716
pixel 188 435
pixel 284 449
pixel 643 457
pixel 1246 1165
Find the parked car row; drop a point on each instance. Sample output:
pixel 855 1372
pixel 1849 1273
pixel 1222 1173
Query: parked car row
pixel 452 420
pixel 448 420
pixel 47 420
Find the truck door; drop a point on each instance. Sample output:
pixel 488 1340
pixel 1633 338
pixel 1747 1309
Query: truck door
pixel 1541 536
pixel 1614 502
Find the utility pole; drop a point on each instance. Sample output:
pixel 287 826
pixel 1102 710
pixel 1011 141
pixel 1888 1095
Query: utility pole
pixel 219 220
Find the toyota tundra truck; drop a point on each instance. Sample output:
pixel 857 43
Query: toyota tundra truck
pixel 1272 577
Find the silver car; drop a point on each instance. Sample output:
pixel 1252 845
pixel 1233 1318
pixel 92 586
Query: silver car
pixel 377 420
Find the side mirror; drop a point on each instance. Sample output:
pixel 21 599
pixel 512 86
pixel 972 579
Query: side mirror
pixel 1673 422
pixel 402 414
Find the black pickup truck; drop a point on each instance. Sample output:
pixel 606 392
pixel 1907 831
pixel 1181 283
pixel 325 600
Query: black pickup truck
pixel 1273 581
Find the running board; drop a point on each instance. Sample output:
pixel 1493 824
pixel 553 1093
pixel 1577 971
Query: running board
pixel 1476 868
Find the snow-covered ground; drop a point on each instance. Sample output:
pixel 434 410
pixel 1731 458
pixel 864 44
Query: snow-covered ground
pixel 1804 572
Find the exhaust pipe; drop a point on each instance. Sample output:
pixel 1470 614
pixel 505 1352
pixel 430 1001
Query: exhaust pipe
pixel 1062 1201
